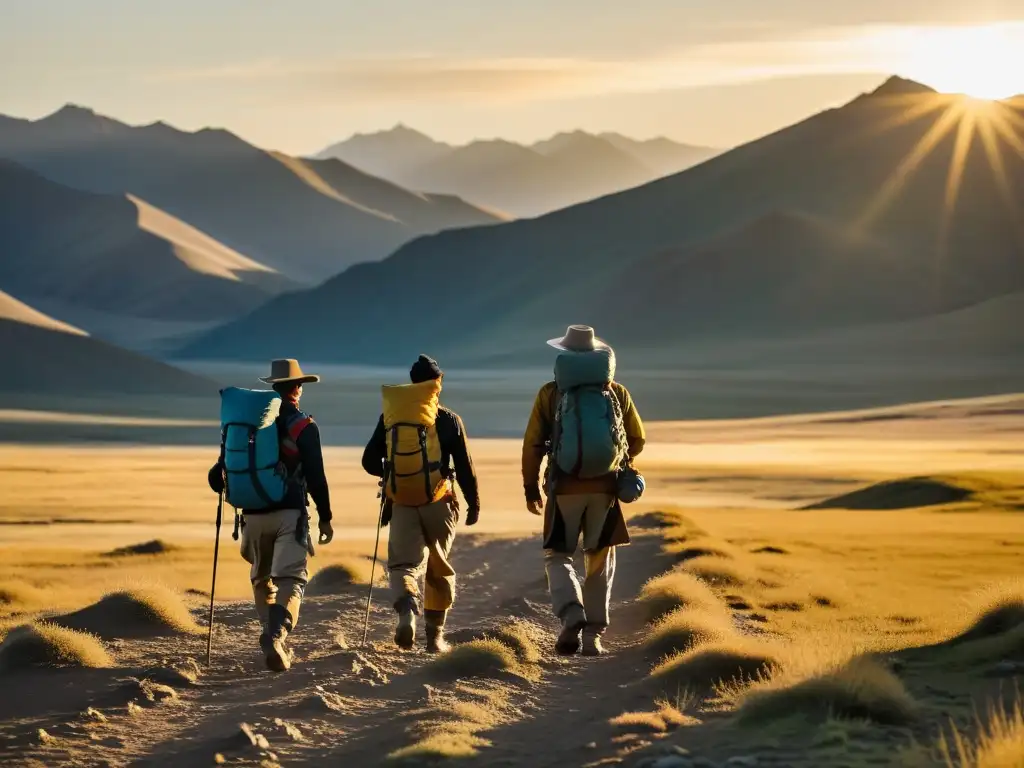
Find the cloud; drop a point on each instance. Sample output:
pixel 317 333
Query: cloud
pixel 871 49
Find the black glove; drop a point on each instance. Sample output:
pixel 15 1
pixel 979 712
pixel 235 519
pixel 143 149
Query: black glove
pixel 472 515
pixel 215 478
pixel 385 514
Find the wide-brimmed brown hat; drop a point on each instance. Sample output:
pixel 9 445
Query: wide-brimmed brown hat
pixel 578 338
pixel 288 371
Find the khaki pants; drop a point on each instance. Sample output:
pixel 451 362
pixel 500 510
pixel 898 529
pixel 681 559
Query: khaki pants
pixel 279 562
pixel 421 540
pixel 586 514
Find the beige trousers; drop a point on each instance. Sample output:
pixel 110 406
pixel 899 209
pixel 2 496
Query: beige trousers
pixel 419 545
pixel 279 562
pixel 582 513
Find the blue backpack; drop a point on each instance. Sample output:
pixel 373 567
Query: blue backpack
pixel 255 475
pixel 589 438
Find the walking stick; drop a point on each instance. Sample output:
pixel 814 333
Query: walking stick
pixel 376 544
pixel 213 587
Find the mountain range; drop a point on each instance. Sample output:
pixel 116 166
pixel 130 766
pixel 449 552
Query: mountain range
pixel 523 180
pixel 102 221
pixel 900 210
pixel 276 210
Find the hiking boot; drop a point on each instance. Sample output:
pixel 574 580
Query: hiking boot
pixel 405 632
pixel 435 632
pixel 272 642
pixel 592 641
pixel 573 622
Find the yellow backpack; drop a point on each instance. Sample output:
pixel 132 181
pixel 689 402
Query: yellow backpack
pixel 413 448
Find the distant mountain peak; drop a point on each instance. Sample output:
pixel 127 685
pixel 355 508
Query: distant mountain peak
pixel 901 86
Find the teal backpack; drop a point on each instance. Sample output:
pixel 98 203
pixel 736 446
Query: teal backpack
pixel 255 477
pixel 589 439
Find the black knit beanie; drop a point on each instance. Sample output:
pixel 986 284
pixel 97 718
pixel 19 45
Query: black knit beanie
pixel 424 369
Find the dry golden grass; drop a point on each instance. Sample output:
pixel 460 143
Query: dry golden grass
pixel 691 548
pixel 999 743
pixel 665 717
pixel 151 547
pixel 19 596
pixel 48 645
pixel 337 578
pixel 477 658
pixel 675 590
pixel 720 572
pixel 520 636
pixel 861 688
pixel 145 611
pixel 450 728
pixel 680 630
pixel 717 663
pixel 1002 610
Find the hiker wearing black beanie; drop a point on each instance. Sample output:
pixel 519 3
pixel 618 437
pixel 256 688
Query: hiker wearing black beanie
pixel 422 529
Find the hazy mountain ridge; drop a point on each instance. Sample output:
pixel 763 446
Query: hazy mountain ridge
pixel 235 192
pixel 814 229
pixel 119 255
pixel 524 180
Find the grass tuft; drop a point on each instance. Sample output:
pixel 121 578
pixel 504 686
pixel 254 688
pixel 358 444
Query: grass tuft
pixel 477 658
pixel 686 548
pixel 861 688
pixel 18 595
pixel 680 630
pixel 675 590
pixel 336 579
pixel 153 547
pixel 659 721
pixel 719 572
pixel 999 744
pixel 710 664
pixel 47 645
pixel 149 611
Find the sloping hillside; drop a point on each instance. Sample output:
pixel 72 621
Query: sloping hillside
pixel 865 215
pixel 43 356
pixel 119 255
pixel 274 212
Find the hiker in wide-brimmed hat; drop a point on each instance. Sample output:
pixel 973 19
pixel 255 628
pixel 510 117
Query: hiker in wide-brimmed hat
pixel 275 538
pixel 419 447
pixel 587 427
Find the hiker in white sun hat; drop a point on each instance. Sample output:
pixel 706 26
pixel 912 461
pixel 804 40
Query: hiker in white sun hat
pixel 585 424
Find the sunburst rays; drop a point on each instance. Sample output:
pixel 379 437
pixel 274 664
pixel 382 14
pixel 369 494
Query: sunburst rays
pixel 997 125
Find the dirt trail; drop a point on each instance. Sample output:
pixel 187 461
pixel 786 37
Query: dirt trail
pixel 340 702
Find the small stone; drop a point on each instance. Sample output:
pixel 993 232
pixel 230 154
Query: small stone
pixel 249 737
pixel 44 737
pixel 157 692
pixel 95 715
pixel 742 761
pixel 331 701
pixel 291 731
pixel 590 745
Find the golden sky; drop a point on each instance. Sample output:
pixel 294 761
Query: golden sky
pixel 295 76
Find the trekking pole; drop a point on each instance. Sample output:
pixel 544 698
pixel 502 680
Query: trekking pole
pixel 213 587
pixel 373 566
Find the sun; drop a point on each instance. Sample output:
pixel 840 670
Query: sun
pixel 984 61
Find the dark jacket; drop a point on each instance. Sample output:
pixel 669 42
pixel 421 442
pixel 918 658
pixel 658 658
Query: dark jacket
pixel 312 479
pixel 451 433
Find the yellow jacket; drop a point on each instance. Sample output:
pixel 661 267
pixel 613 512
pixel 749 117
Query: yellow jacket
pixel 539 430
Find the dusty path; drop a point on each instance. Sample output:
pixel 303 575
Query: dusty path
pixel 348 704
